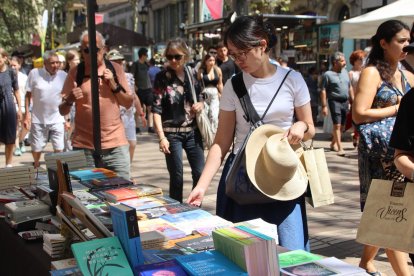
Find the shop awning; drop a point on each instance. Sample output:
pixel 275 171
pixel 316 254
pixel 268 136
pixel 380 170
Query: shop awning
pixel 278 20
pixel 365 26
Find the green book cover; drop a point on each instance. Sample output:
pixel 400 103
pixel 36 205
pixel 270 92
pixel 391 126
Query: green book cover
pixel 101 257
pixel 296 257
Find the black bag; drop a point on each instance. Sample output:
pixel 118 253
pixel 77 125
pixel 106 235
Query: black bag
pixel 238 185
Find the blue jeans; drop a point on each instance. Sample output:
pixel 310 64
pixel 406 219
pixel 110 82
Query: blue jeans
pixel 192 143
pixel 116 159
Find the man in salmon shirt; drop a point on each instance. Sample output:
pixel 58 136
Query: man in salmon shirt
pixel 115 154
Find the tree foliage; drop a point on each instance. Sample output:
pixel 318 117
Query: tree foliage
pixel 21 19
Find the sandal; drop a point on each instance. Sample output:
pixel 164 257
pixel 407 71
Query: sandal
pixel 375 273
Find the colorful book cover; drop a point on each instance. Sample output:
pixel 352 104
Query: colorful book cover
pixel 73 271
pixel 101 257
pixel 167 229
pixel 89 174
pixel 193 215
pixel 142 203
pixel 296 257
pixel 157 212
pixel 125 225
pixel 199 244
pixel 161 255
pixel 116 195
pixel 209 262
pixel 170 268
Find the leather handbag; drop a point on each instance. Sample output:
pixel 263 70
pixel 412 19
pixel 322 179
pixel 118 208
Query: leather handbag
pixel 238 185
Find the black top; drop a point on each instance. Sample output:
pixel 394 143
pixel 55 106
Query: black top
pixel 228 69
pixel 402 136
pixel 207 82
pixel 173 99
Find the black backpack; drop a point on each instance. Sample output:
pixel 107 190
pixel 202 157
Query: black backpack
pixel 80 74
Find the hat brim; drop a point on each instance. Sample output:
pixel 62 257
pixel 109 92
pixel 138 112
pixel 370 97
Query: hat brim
pixel 284 190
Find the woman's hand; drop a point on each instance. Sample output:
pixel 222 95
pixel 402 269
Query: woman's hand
pixel 165 145
pixel 196 196
pixel 197 107
pixel 296 132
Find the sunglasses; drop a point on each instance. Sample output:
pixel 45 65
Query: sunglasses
pixel 212 53
pixel 87 50
pixel 176 57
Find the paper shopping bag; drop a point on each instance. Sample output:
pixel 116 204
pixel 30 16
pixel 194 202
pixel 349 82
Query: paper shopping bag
pixel 388 217
pixel 319 192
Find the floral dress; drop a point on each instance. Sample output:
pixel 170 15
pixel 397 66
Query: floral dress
pixel 376 168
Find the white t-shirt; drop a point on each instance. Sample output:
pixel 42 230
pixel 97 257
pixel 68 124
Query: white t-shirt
pixel 293 93
pixel 46 95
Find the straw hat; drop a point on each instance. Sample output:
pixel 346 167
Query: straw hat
pixel 273 166
pixel 114 55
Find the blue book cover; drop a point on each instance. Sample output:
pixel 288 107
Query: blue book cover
pixel 125 225
pixel 170 267
pixel 74 271
pixel 101 257
pixel 209 263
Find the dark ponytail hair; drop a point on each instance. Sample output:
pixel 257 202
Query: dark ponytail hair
pixel 386 31
pixel 247 31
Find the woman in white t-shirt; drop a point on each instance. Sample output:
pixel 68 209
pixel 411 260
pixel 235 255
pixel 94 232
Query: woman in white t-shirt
pixel 249 41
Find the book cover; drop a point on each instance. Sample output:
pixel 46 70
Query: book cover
pixel 296 257
pixel 157 212
pixel 101 257
pixel 209 263
pixel 73 271
pixel 89 174
pixel 325 266
pixel 167 229
pixel 119 194
pixel 261 226
pixel 170 268
pixel 161 255
pixel 125 225
pixel 142 203
pixel 202 243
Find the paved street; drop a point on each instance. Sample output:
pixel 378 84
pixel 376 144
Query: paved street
pixel 332 228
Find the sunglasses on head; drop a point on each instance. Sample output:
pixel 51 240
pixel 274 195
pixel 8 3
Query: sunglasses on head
pixel 87 50
pixel 176 57
pixel 212 53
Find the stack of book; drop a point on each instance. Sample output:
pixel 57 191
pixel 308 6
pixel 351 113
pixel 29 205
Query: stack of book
pixel 94 173
pixel 128 192
pixel 254 252
pixel 54 245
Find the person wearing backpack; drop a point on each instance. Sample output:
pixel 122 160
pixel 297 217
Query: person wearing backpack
pixel 249 41
pixel 8 115
pixel 113 93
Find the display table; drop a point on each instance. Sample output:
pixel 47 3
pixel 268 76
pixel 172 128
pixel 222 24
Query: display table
pixel 20 257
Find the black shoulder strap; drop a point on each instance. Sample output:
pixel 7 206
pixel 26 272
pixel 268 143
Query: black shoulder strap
pixel 80 73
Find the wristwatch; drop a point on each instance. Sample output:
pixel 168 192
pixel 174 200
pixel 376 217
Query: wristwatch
pixel 117 89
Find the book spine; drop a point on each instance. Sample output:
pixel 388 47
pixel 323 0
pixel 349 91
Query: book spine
pixel 126 229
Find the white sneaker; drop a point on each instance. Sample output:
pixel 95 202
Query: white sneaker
pixel 9 166
pixel 23 149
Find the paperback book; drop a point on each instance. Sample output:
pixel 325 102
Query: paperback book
pixel 124 220
pixel 101 257
pixel 94 173
pixel 209 263
pixel 167 268
pixel 167 229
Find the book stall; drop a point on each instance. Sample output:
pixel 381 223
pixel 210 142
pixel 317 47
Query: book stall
pixel 89 221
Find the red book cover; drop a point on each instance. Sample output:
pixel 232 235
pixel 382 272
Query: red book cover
pixel 120 194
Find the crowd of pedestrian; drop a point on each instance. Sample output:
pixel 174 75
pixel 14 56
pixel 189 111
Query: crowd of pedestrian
pixel 54 104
